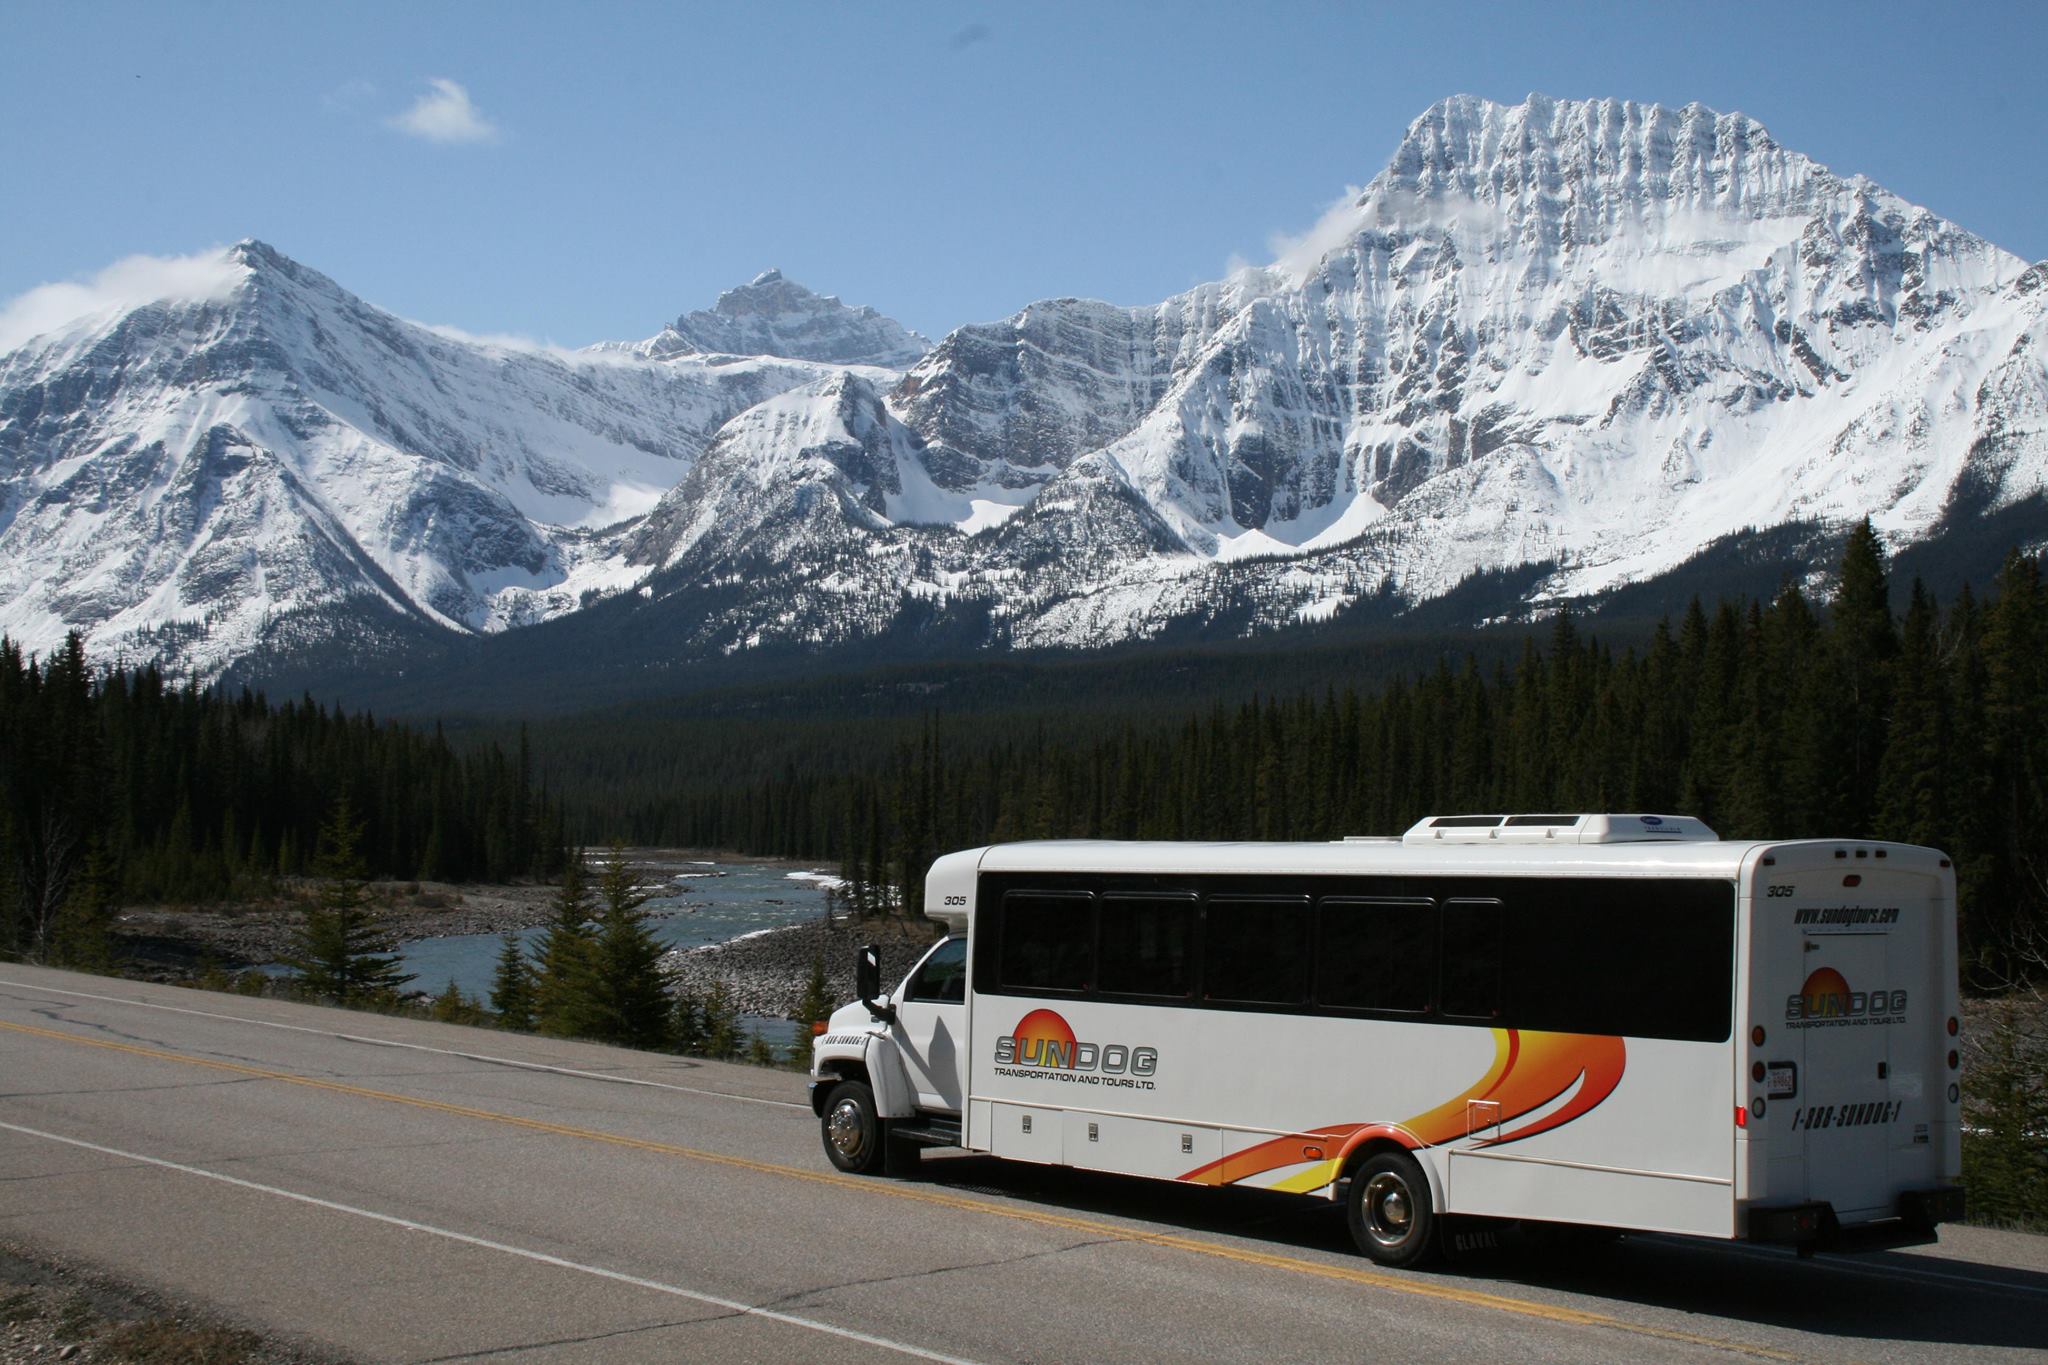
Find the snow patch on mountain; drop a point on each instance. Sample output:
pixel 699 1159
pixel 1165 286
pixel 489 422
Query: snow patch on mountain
pixel 773 315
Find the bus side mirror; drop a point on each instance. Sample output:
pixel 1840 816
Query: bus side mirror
pixel 867 980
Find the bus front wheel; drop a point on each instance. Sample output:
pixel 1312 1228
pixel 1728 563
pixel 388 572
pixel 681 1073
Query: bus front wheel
pixel 851 1128
pixel 1389 1211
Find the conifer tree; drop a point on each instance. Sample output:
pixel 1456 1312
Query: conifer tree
pixel 811 1011
pixel 2005 1162
pixel 342 951
pixel 1863 646
pixel 79 937
pixel 721 1023
pixel 565 991
pixel 687 1033
pixel 631 991
pixel 451 1006
pixel 512 986
pixel 1913 796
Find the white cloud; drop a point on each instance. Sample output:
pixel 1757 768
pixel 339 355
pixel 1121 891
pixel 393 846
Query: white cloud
pixel 1298 256
pixel 350 96
pixel 503 341
pixel 444 114
pixel 125 284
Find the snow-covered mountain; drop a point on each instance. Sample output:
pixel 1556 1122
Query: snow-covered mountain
pixel 772 315
pixel 194 474
pixel 1592 337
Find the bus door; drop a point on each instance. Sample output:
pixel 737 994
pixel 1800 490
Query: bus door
pixel 1844 1110
pixel 931 1027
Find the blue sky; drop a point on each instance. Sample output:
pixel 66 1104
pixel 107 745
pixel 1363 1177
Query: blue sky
pixel 578 172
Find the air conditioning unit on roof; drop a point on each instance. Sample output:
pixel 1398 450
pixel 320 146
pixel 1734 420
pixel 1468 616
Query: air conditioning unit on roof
pixel 1559 829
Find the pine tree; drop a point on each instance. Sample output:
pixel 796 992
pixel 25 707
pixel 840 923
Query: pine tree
pixel 341 951
pixel 565 991
pixel 721 1023
pixel 512 986
pixel 1863 646
pixel 451 1006
pixel 79 936
pixel 631 989
pixel 1912 788
pixel 811 1013
pixel 687 1032
pixel 2005 1162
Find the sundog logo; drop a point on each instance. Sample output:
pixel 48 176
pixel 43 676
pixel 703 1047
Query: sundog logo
pixel 1826 999
pixel 1043 1044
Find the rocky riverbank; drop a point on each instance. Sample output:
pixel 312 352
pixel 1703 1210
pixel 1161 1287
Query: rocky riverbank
pixel 766 972
pixel 175 941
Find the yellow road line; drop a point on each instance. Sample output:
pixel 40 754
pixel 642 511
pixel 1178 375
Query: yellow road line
pixel 1398 1283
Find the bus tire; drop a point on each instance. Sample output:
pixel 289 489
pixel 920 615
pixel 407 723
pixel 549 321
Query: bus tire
pixel 1389 1210
pixel 855 1140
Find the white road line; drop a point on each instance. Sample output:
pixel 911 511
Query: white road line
pixel 748 1310
pixel 413 1047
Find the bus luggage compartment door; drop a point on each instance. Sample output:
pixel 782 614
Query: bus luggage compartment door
pixel 1137 1146
pixel 1025 1132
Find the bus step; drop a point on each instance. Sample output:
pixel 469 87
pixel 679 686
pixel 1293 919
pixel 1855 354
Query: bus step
pixel 930 1129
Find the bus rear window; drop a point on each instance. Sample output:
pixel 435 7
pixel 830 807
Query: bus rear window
pixel 1376 954
pixel 1048 940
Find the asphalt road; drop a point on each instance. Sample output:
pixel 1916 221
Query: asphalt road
pixel 408 1191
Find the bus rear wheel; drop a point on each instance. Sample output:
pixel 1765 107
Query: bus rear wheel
pixel 1389 1211
pixel 852 1130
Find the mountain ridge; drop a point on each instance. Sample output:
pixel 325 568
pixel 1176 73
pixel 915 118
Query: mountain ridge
pixel 1591 336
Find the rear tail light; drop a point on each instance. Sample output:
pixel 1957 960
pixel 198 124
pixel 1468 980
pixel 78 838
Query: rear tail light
pixel 1952 1026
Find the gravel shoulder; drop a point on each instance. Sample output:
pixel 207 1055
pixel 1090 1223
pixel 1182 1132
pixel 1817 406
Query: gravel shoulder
pixel 53 1309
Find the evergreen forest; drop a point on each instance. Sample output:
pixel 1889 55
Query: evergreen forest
pixel 116 786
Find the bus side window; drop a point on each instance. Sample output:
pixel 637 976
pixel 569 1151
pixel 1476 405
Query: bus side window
pixel 1376 954
pixel 1255 949
pixel 1048 940
pixel 1472 959
pixel 1145 945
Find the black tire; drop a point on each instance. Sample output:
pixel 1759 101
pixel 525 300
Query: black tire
pixel 855 1139
pixel 1389 1211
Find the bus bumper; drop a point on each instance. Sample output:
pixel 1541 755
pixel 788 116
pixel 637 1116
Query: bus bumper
pixel 1812 1227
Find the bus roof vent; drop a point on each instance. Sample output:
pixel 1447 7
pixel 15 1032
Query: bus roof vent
pixel 1558 829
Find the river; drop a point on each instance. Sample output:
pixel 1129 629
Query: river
pixel 698 901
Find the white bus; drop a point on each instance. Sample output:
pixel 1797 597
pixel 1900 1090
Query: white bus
pixel 1620 1022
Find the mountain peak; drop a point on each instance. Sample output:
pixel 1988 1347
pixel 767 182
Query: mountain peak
pixel 774 315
